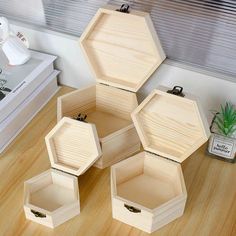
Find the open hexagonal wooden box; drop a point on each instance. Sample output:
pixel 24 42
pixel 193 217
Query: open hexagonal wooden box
pixel 51 198
pixel 109 109
pixel 148 189
pixel 122 50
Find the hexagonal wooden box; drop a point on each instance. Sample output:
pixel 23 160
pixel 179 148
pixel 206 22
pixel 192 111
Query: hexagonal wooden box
pixel 122 51
pixel 51 198
pixel 73 146
pixel 148 189
pixel 109 109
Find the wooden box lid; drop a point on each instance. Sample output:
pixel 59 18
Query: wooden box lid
pixel 122 49
pixel 169 125
pixel 73 146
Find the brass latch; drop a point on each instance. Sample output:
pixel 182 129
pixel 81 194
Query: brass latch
pixel 132 209
pixel 38 214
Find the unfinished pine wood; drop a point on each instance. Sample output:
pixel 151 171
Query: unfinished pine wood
pixel 99 98
pixel 106 123
pixel 152 185
pixel 73 146
pixel 169 125
pixel 51 198
pixel 122 50
pixel 210 209
pixel 109 109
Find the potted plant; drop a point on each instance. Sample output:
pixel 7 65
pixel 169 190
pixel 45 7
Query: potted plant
pixel 222 142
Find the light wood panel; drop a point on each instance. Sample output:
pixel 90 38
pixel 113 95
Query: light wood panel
pixel 170 125
pixel 123 50
pixel 73 146
pixel 210 209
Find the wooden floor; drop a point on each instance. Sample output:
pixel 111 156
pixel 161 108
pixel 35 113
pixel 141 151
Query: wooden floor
pixel 211 186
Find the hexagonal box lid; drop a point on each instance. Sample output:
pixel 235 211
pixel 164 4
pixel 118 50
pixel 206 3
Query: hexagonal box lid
pixel 170 126
pixel 122 49
pixel 73 146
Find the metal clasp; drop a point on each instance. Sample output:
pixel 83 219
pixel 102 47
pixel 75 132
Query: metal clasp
pixel 132 209
pixel 38 214
pixel 81 117
pixel 177 90
pixel 124 8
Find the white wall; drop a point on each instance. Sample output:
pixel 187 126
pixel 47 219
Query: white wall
pixel 211 90
pixel 75 71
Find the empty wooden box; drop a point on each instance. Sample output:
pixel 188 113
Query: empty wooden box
pixel 122 50
pixel 148 189
pixel 52 197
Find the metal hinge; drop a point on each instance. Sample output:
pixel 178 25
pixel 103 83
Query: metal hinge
pixel 162 157
pixel 64 172
pixel 117 88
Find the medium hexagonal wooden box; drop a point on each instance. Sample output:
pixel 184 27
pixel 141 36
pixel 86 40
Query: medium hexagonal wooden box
pixel 148 189
pixel 122 50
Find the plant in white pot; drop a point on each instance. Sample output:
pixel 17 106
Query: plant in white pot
pixel 223 128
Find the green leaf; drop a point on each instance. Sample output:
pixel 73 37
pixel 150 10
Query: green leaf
pixel 225 120
pixel 220 127
pixel 231 130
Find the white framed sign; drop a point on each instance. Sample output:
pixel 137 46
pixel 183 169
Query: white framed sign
pixel 221 146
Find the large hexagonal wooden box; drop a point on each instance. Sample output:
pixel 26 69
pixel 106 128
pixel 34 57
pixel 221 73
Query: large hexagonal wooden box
pixel 148 189
pixel 122 50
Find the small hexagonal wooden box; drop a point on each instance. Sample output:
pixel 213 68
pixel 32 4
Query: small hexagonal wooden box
pixel 51 198
pixel 148 189
pixel 122 51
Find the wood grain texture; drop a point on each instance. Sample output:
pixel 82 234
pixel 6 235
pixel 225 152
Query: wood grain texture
pixel 109 109
pixel 122 50
pixel 210 208
pixel 52 194
pixel 169 125
pixel 153 185
pixel 73 146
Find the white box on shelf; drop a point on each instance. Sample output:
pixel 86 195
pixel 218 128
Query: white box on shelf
pixel 18 82
pixel 26 111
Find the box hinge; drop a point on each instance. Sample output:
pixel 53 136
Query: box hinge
pixel 117 87
pixel 162 157
pixel 64 171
